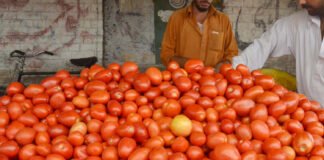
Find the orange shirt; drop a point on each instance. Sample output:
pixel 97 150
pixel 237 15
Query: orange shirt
pixel 183 38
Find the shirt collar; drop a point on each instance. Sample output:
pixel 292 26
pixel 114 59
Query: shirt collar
pixel 315 19
pixel 212 10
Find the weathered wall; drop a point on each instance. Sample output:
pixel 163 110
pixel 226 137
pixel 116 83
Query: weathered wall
pixel 68 28
pixel 129 31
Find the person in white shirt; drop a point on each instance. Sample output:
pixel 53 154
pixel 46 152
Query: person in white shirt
pixel 300 34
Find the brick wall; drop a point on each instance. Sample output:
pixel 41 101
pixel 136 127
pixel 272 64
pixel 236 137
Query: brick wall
pixel 68 28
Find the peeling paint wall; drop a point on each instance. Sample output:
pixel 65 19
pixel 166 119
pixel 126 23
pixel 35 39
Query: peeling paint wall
pixel 68 28
pixel 129 32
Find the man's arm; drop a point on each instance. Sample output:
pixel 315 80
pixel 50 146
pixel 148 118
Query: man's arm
pixel 275 42
pixel 169 41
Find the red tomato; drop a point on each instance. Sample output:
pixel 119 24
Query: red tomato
pixel 216 139
pixel 234 76
pixel 303 143
pixel 63 148
pixel 234 91
pixel 139 153
pixel 171 92
pixel 291 100
pixel 57 99
pixel 183 84
pixel 209 91
pixel 125 147
pixel 243 106
pixel 93 86
pixel 155 75
pixel 159 154
pixel 260 130
pixel 195 153
pixel 225 151
pixel 270 144
pixel 221 86
pixel 243 132
pixel 265 81
pixel 198 138
pixel 193 65
pixel 9 148
pixel 33 90
pixel 27 151
pixel 110 153
pixel 277 154
pixel 224 68
pixel 49 82
pixel 15 88
pixel 195 112
pixel 128 67
pixel 25 136
pixel 99 96
pixel 104 75
pixel 180 144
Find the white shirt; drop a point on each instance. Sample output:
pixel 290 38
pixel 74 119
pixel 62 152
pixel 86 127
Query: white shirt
pixel 298 34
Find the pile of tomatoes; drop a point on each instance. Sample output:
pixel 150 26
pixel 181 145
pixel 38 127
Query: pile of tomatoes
pixel 192 112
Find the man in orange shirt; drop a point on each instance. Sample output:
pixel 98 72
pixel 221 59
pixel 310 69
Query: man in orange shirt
pixel 199 31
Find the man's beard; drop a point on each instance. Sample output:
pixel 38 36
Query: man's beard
pixel 313 11
pixel 200 9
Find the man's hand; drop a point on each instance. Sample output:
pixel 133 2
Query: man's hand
pixel 180 60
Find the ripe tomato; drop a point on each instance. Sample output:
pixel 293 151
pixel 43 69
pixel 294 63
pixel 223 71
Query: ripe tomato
pixel 209 91
pixel 198 138
pixel 154 75
pixel 128 67
pixel 15 88
pixel 27 151
pixel 277 154
pixel 277 109
pixel 171 108
pixel 93 86
pixel 33 89
pixel 139 153
pixel 183 83
pixel 193 65
pixel 99 96
pixel 125 147
pixel 225 151
pixel 224 68
pixel 51 81
pixel 158 153
pixel 270 144
pixel 216 139
pixel 265 81
pixel 243 132
pixel 180 144
pixel 142 83
pixel 267 98
pixel 195 153
pixel 243 106
pixel 63 148
pixel 110 153
pixel 303 143
pixel 195 112
pixel 9 148
pixel 260 130
pixel 234 91
pixel 234 76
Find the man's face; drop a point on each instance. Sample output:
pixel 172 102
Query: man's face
pixel 202 5
pixel 314 7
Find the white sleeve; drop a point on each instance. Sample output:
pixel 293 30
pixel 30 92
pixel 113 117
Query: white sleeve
pixel 275 43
